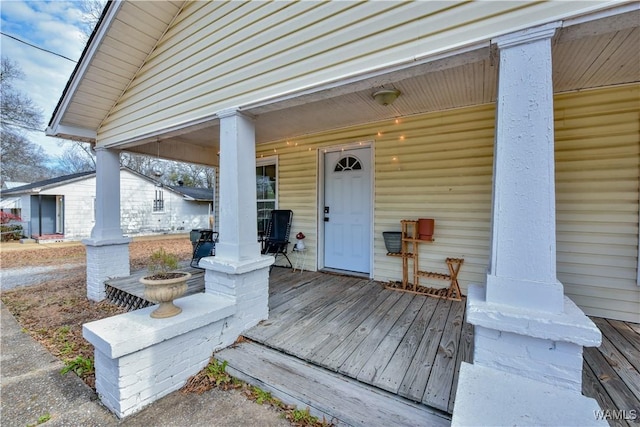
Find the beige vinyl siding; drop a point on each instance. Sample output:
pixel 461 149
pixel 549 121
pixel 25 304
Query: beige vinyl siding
pixel 219 55
pixel 435 166
pixel 440 166
pixel 597 172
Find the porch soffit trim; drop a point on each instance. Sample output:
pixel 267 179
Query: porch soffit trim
pixel 72 132
pixel 362 80
pixel 354 82
pixel 165 133
pixel 349 83
pixel 81 68
pixel 620 9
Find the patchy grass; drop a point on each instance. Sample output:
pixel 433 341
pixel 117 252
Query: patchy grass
pixel 53 313
pixel 214 375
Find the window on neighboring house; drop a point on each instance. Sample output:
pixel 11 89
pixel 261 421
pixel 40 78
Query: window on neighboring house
pixel 267 187
pixel 158 202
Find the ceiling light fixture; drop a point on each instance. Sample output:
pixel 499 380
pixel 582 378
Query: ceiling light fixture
pixel 386 96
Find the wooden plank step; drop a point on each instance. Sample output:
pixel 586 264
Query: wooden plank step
pixel 591 387
pixel 391 378
pixel 314 328
pixel 442 372
pixel 337 356
pixel 382 355
pixel 465 354
pixel 611 382
pixel 330 335
pixel 338 399
pixel 292 311
pixel 415 380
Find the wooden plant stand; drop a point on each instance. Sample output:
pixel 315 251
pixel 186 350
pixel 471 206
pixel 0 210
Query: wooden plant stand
pixel 409 252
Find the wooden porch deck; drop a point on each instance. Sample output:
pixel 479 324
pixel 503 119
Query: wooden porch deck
pixel 409 345
pixel 611 372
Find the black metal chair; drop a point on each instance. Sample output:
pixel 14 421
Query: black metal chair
pixel 204 246
pixel 276 238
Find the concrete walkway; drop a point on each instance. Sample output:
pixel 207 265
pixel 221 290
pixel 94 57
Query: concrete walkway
pixel 33 389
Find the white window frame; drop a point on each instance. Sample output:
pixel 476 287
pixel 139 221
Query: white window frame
pixel 266 161
pixel 158 191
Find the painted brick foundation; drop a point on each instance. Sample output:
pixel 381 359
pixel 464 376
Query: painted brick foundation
pixel 139 359
pixel 105 260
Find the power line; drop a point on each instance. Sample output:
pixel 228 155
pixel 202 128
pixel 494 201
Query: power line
pixel 38 47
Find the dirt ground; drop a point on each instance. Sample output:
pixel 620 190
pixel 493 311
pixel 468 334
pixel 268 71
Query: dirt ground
pixel 53 311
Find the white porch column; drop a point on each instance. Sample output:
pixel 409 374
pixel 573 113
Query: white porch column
pixel 528 336
pixel 107 249
pixel 238 270
pixel 522 269
pixel 238 201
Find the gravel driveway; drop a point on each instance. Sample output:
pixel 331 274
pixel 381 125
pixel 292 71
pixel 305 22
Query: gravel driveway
pixel 26 276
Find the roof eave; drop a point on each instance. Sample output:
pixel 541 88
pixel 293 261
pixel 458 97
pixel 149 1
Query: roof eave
pixel 71 132
pixel 95 40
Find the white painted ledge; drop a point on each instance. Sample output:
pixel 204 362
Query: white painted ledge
pixel 229 266
pixel 127 333
pixel 106 242
pixel 489 397
pixel 570 326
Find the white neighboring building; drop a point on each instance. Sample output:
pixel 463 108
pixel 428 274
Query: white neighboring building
pixel 63 208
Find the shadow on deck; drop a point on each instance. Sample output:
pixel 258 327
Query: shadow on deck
pixel 404 349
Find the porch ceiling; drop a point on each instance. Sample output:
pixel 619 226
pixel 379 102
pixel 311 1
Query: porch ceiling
pixel 586 55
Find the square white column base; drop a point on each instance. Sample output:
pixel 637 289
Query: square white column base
pixel 246 282
pixel 106 258
pixel 530 343
pixel 491 397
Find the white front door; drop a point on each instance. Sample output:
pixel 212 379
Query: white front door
pixel 347 209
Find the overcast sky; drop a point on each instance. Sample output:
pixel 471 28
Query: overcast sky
pixel 52 25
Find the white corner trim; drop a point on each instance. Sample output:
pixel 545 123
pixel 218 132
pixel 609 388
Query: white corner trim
pixel 528 35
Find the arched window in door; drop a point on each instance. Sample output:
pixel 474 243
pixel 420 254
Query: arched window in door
pixel 349 163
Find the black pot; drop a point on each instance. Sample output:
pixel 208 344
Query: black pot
pixel 392 241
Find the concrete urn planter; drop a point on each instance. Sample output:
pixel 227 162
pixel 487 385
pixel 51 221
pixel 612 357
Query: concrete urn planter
pixel 164 291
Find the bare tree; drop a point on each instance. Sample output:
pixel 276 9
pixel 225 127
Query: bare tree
pixel 192 175
pixel 21 159
pixel 91 11
pixel 77 157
